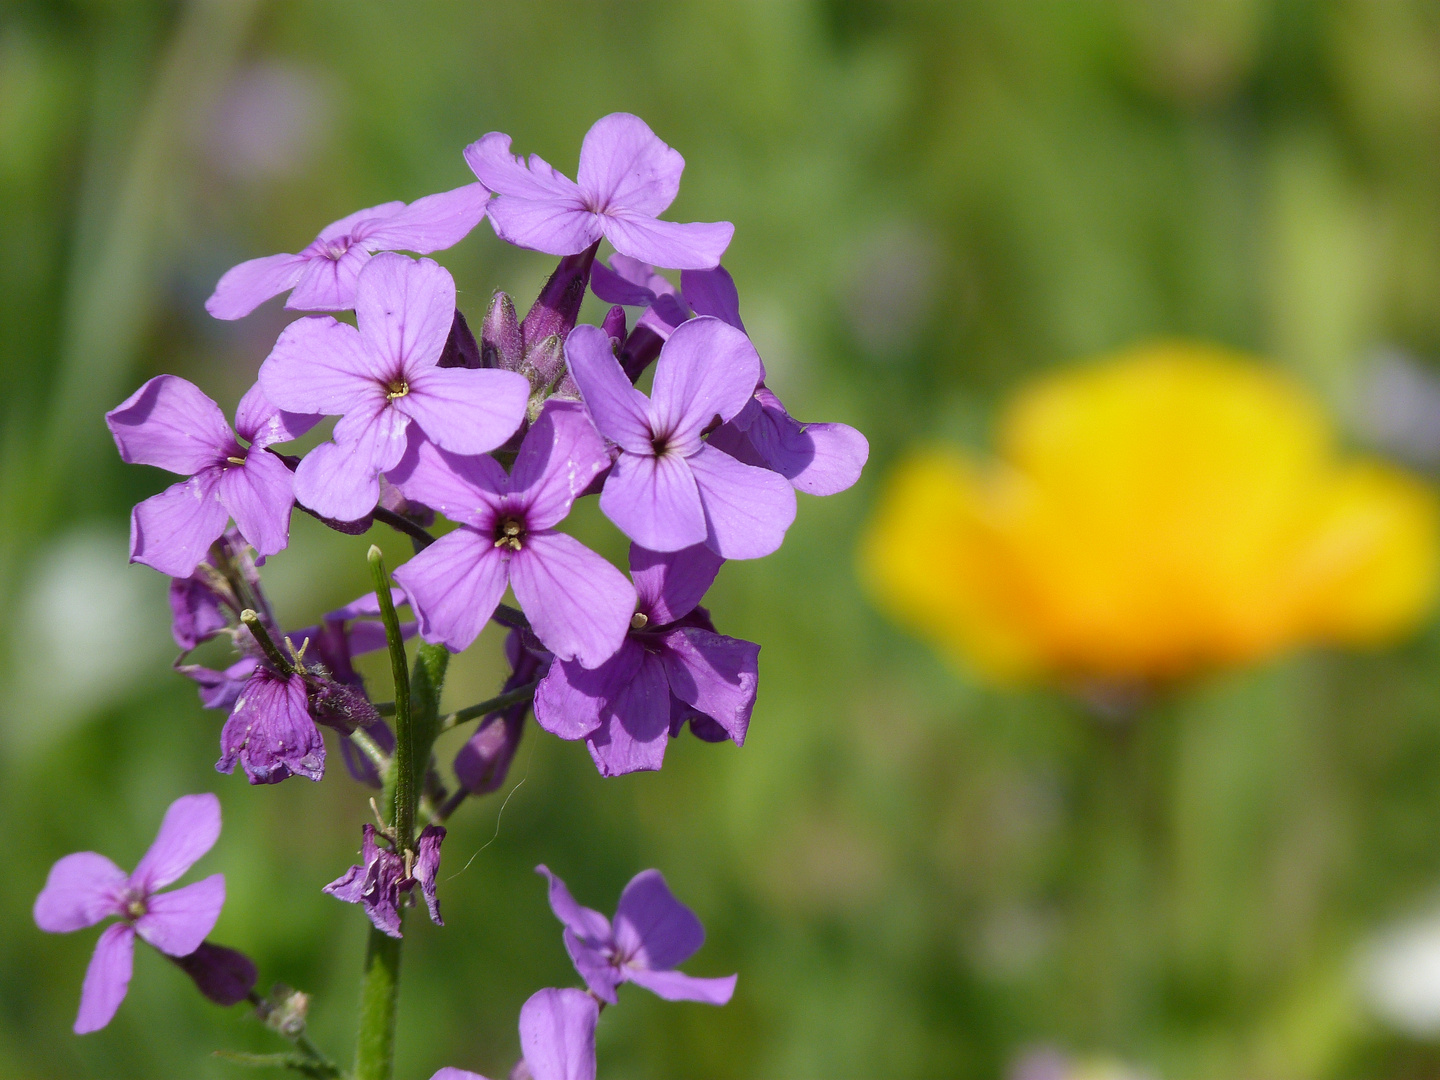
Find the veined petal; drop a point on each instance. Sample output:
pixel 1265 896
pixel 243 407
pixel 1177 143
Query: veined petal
pixel 677 986
pixel 502 172
pixel 243 288
pixel 454 585
pixel 173 531
pixel 171 424
pixel 319 365
pixel 106 979
pixel 696 245
pixel 430 224
pixel 348 226
pixel 176 922
pixel 190 828
pixel 655 502
pixel 259 495
pixel 819 459
pixel 270 732
pixel 615 287
pixel 707 369
pixel 557 1034
pixel 556 228
pixel 341 479
pixel 578 604
pixel 327 282
pixel 465 488
pixel 82 889
pixel 637 724
pixel 404 308
pixel 572 701
pixel 465 411
pixel 652 927
pixel 670 584
pixel 715 674
pixel 747 509
pixel 561 454
pixel 261 424
pixel 624 165
pixel 620 411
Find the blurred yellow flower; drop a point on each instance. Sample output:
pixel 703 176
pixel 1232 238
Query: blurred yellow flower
pixel 1171 509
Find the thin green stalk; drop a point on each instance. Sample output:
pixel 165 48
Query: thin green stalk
pixel 267 646
pixel 402 818
pixel 501 701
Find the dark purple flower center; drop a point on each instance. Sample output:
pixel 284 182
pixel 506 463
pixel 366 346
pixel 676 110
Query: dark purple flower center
pixel 510 533
pixel 132 904
pixel 335 249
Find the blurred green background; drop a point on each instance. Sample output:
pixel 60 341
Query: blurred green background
pixel 915 876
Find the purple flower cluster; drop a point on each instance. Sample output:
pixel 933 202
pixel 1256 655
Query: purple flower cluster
pixel 501 436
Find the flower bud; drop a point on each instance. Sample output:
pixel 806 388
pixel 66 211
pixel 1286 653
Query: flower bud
pixel 614 326
pixel 460 348
pixel 501 343
pixel 558 305
pixel 225 976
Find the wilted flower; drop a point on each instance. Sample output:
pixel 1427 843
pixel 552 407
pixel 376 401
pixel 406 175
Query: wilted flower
pixel 1174 509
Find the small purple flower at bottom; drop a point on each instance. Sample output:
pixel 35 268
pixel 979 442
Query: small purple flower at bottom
pixel 669 489
pixel 379 881
pixel 170 424
pixel 86 887
pixel 577 603
pixel 557 1037
pixel 672 667
pixel 652 934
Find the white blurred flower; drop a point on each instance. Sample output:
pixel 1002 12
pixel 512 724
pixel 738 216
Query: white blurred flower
pixel 1400 976
pixel 1398 409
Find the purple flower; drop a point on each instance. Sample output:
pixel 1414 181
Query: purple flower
pixel 225 976
pixel 672 667
pixel 627 178
pixel 484 760
pixel 557 1037
pixel 380 879
pixel 270 732
pixel 636 284
pixel 86 887
pixel 652 934
pixel 170 424
pixel 381 377
pixel 818 459
pixel 669 489
pixel 577 603
pixel 323 276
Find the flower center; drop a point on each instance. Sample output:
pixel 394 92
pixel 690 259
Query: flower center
pixel 134 907
pixel 335 249
pixel 233 460
pixel 509 533
pixel 396 387
pixel 639 621
pixel 659 443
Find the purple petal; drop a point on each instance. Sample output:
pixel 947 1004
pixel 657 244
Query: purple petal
pixel 363 606
pixel 715 674
pixel 270 732
pixel 694 246
pixel 615 288
pixel 328 282
pixel 361 222
pixel 712 292
pixel 747 509
pixel 404 309
pixel 652 928
pixel 620 411
pixel 465 488
pixel 483 762
pixel 655 501
pixel 451 1073
pixel 454 585
pixel 601 976
pixel 502 172
pixel 465 411
pixel 190 829
pixel 341 479
pixel 427 865
pixel 259 495
pixel 561 454
pixel 173 531
pixel 225 976
pixel 637 728
pixel 350 886
pixel 319 365
pixel 176 922
pixel 221 689
pixel 668 585
pixel 197 611
pixel 245 287
pixel 430 224
pixel 170 424
pixel 82 889
pixel 624 165
pixel 819 459
pixel 556 228
pixel 706 369
pixel 578 604
pixel 557 1034
pixel 591 928
pixel 677 986
pixel 261 424
pixel 106 979
pixel 572 701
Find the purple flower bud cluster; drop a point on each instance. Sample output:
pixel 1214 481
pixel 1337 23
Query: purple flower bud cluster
pixel 500 436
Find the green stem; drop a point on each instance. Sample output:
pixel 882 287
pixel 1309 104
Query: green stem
pixel 379 991
pixel 517 696
pixel 371 750
pixel 403 815
pixel 267 646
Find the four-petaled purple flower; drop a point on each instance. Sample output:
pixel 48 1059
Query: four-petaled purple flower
pixel 382 377
pixel 323 275
pixel 672 667
pixel 670 489
pixel 652 934
pixel 86 887
pixel 170 424
pixel 627 178
pixel 578 604
pixel 380 879
pixel 557 1037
